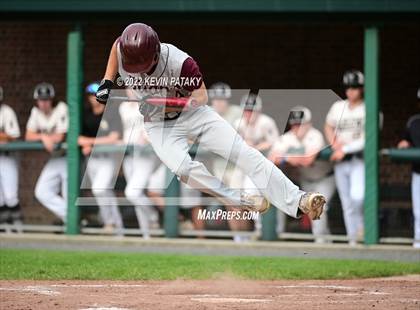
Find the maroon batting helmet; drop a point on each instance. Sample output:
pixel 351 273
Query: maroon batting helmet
pixel 140 47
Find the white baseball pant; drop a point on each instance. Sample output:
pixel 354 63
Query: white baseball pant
pixel 52 182
pixel 170 142
pixel 350 181
pixel 101 170
pixel 415 194
pixel 9 179
pixel 138 171
pixel 190 197
pixel 281 216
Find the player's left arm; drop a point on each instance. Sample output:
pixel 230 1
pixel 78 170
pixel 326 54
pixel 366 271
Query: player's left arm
pixel 115 131
pixel 57 137
pixel 271 135
pixel 11 129
pixel 191 71
pixel 199 96
pixel 406 141
pixel 112 138
pixel 277 153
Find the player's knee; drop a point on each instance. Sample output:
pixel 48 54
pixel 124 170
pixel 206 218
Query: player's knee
pixel 10 199
pixel 357 196
pixel 132 193
pixel 41 192
pixel 100 192
pixel 183 170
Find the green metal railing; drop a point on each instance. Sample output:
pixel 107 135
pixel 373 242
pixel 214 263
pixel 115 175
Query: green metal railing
pixel 173 191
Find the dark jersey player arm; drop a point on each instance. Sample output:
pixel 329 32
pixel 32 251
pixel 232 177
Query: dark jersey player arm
pixel 191 71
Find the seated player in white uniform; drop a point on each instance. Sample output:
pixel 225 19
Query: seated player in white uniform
pixel 101 128
pixel 141 168
pixel 411 138
pixel 260 132
pixel 48 123
pixel 299 147
pixel 345 131
pixel 161 69
pixel 9 177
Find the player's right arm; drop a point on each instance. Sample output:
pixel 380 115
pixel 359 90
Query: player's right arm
pixel 5 137
pixel 112 64
pixel 48 140
pixel 329 133
pixel 331 121
pixel 111 71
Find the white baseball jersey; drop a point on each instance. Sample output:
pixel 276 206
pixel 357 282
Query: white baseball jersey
pixel 349 124
pixel 312 142
pixel 55 122
pixel 264 129
pixel 133 124
pixel 8 121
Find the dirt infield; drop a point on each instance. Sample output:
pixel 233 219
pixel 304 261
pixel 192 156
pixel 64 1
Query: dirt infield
pixel 224 293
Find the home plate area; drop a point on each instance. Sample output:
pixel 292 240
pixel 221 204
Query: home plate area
pixel 223 293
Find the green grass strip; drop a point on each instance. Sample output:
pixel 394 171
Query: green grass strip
pixel 57 265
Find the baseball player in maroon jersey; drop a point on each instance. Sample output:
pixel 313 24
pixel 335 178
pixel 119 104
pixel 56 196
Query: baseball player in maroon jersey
pixel 156 69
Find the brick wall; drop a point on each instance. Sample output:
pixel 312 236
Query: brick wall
pixel 246 56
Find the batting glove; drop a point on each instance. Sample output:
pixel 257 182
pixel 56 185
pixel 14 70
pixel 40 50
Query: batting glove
pixel 104 89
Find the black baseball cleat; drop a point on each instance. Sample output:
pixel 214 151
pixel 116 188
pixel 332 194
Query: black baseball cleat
pixel 4 214
pixel 15 215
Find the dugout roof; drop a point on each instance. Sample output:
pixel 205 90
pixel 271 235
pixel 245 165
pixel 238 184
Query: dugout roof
pixel 307 10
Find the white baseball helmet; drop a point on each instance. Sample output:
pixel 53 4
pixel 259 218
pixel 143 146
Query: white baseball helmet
pixel 220 90
pixel 251 102
pixel 44 91
pixel 353 78
pixel 299 115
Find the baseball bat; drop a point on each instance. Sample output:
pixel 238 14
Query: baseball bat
pixel 159 101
